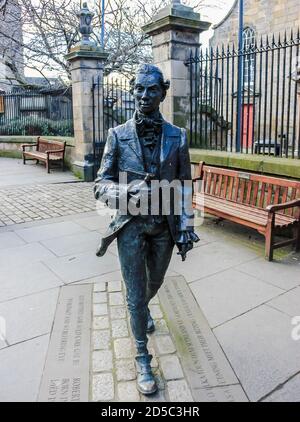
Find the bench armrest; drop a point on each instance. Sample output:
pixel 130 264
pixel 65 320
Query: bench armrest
pixel 286 205
pixel 28 145
pixel 197 178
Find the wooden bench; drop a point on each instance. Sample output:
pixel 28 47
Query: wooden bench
pixel 267 204
pixel 46 151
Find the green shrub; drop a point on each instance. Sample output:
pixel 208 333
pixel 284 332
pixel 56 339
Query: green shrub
pixel 37 126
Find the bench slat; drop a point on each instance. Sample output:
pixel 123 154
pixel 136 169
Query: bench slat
pixel 269 196
pixel 255 193
pixel 254 176
pixel 242 191
pixel 230 187
pixel 245 208
pixel 249 191
pixel 225 186
pixel 258 216
pixel 262 195
pixel 292 197
pixel 236 188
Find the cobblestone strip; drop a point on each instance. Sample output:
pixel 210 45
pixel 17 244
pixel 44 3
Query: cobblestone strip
pixel 113 376
pixel 20 204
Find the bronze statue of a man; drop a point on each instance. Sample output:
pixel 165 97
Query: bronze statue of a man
pixel 146 149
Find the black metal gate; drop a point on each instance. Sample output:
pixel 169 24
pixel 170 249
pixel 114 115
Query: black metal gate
pixel 266 120
pixel 113 105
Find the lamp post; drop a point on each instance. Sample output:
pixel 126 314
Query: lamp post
pixel 102 22
pixel 240 76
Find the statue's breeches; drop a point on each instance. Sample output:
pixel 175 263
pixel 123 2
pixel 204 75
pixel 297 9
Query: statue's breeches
pixel 145 250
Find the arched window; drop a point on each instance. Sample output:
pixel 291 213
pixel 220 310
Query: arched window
pixel 248 47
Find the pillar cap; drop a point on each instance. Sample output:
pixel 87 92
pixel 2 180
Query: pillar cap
pixel 86 52
pixel 176 16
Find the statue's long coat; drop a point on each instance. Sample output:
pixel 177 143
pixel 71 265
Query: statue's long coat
pixel 123 151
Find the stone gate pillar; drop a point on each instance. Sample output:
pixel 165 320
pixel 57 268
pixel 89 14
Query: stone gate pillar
pixel 86 64
pixel 175 32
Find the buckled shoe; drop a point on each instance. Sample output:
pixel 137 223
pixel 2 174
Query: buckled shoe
pixel 146 383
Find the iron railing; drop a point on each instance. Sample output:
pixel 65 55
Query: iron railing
pixel 28 112
pixel 269 111
pixel 113 105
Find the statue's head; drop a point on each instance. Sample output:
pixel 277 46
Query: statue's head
pixel 148 88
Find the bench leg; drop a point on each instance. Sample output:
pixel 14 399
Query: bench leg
pixel 270 237
pixel 37 162
pixel 48 166
pixel 24 159
pixel 297 235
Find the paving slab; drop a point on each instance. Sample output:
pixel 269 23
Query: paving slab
pixel 201 357
pixel 210 259
pixel 50 231
pixel 21 280
pixel 171 367
pixel 95 222
pixel 21 255
pixel 73 244
pixel 29 316
pixel 103 387
pixel 179 391
pixel 66 372
pixel 107 277
pixel 228 294
pixel 260 349
pixel 288 302
pixel 82 266
pixel 287 392
pixel 10 240
pixel 21 368
pixel 283 274
pixel 229 393
pixel 14 172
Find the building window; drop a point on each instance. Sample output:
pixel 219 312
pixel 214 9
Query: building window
pixel 249 56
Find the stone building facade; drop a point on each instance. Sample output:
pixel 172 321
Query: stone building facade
pixel 11 52
pixel 265 17
pixel 269 91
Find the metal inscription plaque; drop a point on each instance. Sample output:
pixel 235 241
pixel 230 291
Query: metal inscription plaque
pixel 66 373
pixel 207 370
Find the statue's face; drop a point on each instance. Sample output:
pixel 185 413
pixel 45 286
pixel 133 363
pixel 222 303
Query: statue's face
pixel 148 93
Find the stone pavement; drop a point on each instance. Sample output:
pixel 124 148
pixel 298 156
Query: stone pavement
pixel 19 204
pixel 244 306
pixel 13 172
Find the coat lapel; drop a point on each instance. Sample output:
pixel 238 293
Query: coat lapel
pixel 167 142
pixel 134 142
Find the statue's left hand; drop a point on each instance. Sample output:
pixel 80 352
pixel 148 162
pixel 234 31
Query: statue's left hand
pixel 185 241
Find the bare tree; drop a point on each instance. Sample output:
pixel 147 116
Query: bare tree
pixel 50 30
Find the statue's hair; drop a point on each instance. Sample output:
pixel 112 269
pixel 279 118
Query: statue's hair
pixel 147 68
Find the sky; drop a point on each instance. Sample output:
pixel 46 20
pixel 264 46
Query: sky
pixel 211 14
pixel 214 15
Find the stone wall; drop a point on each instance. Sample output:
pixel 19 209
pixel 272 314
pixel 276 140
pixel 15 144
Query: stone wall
pixel 10 50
